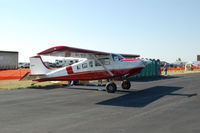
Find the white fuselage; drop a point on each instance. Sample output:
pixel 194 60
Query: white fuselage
pixel 88 69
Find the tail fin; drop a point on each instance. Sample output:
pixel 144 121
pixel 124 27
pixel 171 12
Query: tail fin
pixel 37 66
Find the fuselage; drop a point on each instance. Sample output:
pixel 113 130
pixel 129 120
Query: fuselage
pixel 90 69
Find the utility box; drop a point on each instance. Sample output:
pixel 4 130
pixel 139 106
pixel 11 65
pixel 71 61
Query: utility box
pixel 8 60
pixel 151 70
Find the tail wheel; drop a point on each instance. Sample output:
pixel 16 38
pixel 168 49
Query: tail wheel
pixel 111 87
pixel 126 85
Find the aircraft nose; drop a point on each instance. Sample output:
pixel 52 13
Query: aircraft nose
pixel 146 62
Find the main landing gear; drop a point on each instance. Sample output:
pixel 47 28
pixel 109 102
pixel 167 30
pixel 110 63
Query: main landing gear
pixel 126 85
pixel 111 87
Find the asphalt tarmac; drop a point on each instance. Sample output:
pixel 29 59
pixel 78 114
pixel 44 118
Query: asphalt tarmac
pixel 168 105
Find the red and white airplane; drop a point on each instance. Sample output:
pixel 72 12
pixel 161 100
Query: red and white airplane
pixel 87 65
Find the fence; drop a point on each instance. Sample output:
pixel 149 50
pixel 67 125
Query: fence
pixel 13 74
pixel 178 69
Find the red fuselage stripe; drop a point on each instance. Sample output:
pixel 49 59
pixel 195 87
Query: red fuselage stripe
pixel 69 70
pixel 131 60
pixel 93 75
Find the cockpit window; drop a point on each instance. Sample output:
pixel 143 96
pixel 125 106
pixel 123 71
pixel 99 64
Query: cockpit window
pixel 117 57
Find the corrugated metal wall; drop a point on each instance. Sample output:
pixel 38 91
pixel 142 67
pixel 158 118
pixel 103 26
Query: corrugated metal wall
pixel 8 60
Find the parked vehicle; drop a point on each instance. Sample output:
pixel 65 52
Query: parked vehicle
pixel 23 65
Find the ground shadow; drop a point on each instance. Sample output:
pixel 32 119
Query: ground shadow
pixel 143 98
pixel 77 87
pixel 149 79
pixel 50 87
pixel 86 88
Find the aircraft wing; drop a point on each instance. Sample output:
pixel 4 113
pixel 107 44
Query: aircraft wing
pixel 66 51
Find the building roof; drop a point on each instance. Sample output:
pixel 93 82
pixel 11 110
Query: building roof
pixel 8 51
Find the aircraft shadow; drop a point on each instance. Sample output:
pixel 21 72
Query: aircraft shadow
pixel 85 88
pixel 149 79
pixel 51 87
pixel 142 98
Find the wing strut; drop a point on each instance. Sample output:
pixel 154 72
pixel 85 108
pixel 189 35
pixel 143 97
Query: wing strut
pixel 111 74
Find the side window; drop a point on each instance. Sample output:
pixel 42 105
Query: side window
pixel 97 64
pixel 84 65
pixel 71 62
pixel 91 63
pixel 104 61
pixel 107 61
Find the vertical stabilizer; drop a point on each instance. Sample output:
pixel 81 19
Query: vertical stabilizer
pixel 37 66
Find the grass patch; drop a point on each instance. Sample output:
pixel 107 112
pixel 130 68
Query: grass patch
pixel 16 84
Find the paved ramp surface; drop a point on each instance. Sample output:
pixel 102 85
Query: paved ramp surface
pixel 170 105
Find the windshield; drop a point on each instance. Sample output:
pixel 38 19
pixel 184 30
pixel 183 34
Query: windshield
pixel 117 57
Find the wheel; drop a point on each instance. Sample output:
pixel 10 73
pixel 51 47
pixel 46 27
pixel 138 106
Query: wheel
pixel 126 84
pixel 111 87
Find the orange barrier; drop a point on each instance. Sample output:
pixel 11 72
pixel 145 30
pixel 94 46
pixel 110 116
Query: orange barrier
pixel 174 69
pixel 196 68
pixel 13 74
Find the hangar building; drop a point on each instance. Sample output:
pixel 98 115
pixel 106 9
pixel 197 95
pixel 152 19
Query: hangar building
pixel 8 60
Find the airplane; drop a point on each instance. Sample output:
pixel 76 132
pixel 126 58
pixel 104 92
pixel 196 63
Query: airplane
pixel 86 64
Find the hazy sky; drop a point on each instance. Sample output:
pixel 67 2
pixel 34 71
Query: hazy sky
pixel 161 29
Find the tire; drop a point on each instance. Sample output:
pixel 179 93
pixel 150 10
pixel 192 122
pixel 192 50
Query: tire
pixel 111 88
pixel 126 85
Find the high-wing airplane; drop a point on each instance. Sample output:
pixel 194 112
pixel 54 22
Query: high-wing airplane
pixel 85 64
